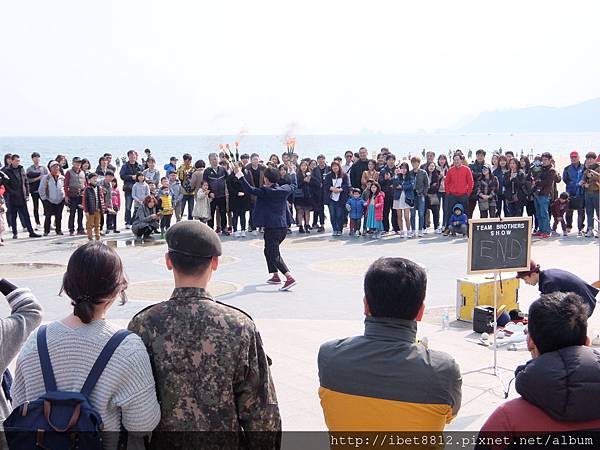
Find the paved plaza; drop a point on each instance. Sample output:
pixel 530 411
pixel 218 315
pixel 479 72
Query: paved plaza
pixel 326 304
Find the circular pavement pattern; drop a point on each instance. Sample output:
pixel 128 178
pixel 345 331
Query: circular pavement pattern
pixel 347 266
pixel 304 243
pixel 158 291
pixel 30 270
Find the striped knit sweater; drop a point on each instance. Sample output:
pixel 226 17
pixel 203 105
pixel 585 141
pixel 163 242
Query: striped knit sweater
pixel 26 314
pixel 125 392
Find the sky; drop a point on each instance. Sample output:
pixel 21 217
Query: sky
pixel 179 67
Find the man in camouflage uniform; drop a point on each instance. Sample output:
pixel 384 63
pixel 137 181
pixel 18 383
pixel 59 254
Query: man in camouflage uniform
pixel 210 368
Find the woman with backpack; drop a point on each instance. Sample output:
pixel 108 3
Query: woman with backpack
pixel 124 395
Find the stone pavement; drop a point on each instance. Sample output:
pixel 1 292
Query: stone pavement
pixel 326 304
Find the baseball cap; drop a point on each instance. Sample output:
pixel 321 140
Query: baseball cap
pixel 573 154
pixel 193 238
pixel 173 158
pixel 533 267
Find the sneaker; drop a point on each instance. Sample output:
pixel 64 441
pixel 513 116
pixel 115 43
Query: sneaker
pixel 71 233
pixel 446 232
pixel 46 234
pixel 301 229
pixel 289 283
pixel 127 227
pixel 420 233
pixel 308 227
pixel 236 234
pixel 289 231
pixel 565 233
pixel 580 233
pixel 425 231
pixel 438 231
pixel 59 233
pixel 274 279
pixel 321 230
pixel 226 233
pixel 307 230
pixel 554 234
pixel 81 233
pixel 115 231
pixel 107 232
pixel 255 232
pixel 411 234
pixel 589 234
pixel 544 236
pixel 34 235
pixel 403 234
pixel 243 233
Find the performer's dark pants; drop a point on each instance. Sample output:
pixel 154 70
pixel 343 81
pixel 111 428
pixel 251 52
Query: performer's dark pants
pixel 74 209
pixel 273 238
pixel 55 210
pixel 387 209
pixel 35 197
pixel 319 214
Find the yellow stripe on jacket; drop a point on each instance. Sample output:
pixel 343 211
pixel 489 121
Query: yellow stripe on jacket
pixel 346 412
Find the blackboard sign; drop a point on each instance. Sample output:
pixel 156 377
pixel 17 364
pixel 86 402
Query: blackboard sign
pixel 499 245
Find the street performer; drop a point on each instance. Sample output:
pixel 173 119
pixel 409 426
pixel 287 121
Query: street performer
pixel 271 211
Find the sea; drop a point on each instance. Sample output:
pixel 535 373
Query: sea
pixel 402 145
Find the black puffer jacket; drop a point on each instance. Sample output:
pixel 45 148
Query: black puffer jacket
pixel 565 384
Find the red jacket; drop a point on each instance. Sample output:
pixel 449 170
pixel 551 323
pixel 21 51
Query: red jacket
pixel 518 417
pixel 459 181
pixel 379 201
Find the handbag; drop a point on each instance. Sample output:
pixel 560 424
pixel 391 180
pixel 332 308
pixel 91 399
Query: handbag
pixel 576 202
pixel 434 200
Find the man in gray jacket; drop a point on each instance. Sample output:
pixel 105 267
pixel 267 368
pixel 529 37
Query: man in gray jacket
pixel 421 188
pixel 25 316
pixel 52 194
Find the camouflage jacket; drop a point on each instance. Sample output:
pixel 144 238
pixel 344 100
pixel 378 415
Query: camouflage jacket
pixel 210 368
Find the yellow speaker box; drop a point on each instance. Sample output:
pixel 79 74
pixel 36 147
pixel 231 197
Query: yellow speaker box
pixel 478 290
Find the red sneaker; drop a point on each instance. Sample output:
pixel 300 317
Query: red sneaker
pixel 289 283
pixel 274 279
pixel 544 236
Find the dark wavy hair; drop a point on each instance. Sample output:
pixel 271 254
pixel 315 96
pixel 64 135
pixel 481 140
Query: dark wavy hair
pixel 94 276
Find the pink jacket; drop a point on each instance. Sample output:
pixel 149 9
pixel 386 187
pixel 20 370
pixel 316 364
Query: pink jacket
pixel 379 201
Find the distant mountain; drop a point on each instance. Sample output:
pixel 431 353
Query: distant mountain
pixel 582 117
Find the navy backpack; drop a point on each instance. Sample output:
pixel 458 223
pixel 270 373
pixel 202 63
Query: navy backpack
pixel 60 420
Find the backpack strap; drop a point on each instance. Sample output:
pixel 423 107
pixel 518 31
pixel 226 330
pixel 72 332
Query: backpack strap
pixel 47 372
pixel 102 361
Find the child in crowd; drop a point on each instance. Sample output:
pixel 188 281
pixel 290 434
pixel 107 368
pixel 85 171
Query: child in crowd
pixel 165 206
pixel 176 192
pixel 202 207
pixel 458 222
pixel 375 210
pixel 152 188
pixel 356 209
pixel 559 207
pixel 366 194
pixel 95 201
pixel 111 217
pixel 139 191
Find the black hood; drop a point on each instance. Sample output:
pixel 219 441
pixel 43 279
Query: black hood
pixel 565 384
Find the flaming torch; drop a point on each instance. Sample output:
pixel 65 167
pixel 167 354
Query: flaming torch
pixel 291 145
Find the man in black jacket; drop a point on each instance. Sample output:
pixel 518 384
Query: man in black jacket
pixel 386 176
pixel 359 167
pixel 557 280
pixel 17 189
pixel 128 173
pixel 216 177
pixel 318 194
